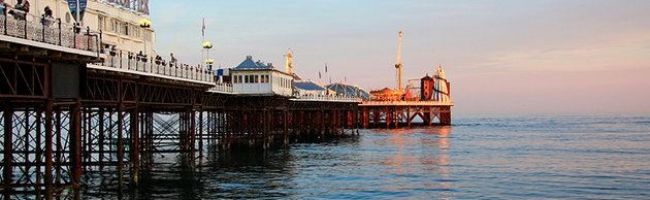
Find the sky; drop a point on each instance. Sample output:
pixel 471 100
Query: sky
pixel 502 57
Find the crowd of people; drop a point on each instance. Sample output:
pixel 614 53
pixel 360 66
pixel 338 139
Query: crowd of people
pixel 159 61
pixel 21 9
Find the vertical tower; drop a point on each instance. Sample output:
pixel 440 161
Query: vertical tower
pixel 398 65
pixel 288 64
pixel 426 88
pixel 442 90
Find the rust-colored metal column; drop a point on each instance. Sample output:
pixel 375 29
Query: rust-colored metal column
pixel 8 147
pixel 365 118
pixel 134 147
pixel 200 132
pixel 100 140
pixel 75 144
pixel 59 146
pixel 409 119
pixel 445 115
pixel 285 124
pixel 48 148
pixel 398 112
pixel 321 125
pixel 388 116
pixel 39 152
pixel 26 143
pixel 192 135
pixel 120 143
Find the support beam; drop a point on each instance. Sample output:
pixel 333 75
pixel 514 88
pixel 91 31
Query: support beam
pixel 75 144
pixel 8 147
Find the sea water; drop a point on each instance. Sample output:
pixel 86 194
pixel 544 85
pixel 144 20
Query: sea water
pixel 544 157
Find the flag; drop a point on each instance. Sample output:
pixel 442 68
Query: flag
pixel 203 28
pixel 72 5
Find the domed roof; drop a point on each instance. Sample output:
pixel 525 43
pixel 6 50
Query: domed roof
pixel 348 90
pixel 248 63
pixel 307 85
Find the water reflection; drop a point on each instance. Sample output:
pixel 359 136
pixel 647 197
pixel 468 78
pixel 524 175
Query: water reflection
pixel 415 153
pixel 487 162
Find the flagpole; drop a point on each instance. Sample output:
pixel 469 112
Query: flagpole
pixel 203 54
pixel 78 11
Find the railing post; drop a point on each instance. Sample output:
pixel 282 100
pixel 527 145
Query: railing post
pixel 60 30
pixel 43 30
pixel 74 36
pixel 88 38
pixel 98 43
pixel 112 59
pixel 121 59
pixel 5 22
pixel 151 65
pixel 25 22
pixel 128 61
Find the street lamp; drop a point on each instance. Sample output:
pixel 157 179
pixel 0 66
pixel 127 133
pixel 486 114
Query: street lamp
pixel 207 45
pixel 144 24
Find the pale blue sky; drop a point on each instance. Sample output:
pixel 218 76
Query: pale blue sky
pixel 559 56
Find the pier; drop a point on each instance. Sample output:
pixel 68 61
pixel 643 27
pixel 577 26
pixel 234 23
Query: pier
pixel 73 108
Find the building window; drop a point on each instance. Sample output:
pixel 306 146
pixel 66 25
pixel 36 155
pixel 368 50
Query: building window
pixel 114 26
pixel 68 17
pixel 125 29
pixel 101 20
pixel 245 79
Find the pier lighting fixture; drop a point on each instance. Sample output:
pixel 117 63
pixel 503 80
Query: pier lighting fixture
pixel 144 23
pixel 207 44
pixel 209 61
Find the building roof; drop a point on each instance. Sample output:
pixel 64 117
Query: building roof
pixel 348 90
pixel 308 85
pixel 249 64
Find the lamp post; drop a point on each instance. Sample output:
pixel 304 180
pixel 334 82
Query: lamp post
pixel 144 24
pixel 207 45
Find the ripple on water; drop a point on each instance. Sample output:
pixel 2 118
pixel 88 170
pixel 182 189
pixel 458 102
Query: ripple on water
pixel 479 158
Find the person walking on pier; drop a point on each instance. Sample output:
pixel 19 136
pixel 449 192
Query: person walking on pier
pixel 172 60
pixel 20 10
pixel 3 7
pixel 46 18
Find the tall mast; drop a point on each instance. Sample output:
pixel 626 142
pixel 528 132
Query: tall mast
pixel 398 64
pixel 288 64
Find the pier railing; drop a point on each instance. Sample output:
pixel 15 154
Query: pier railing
pixel 225 88
pixel 130 62
pixel 327 98
pixel 408 103
pixel 18 24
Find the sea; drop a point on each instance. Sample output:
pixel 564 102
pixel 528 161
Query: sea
pixel 516 157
